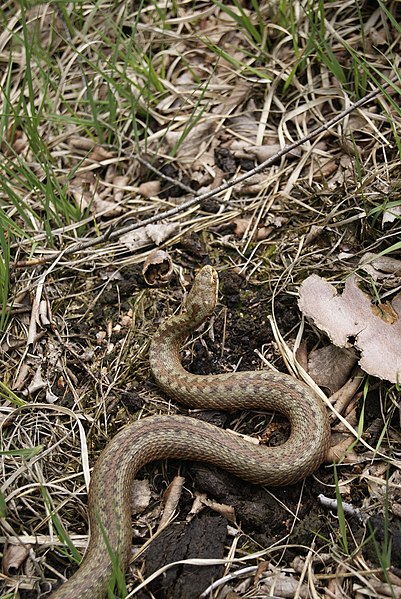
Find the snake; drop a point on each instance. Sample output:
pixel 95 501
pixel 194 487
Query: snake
pixel 183 437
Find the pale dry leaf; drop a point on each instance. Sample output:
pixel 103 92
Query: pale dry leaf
pixel 340 450
pixel 330 366
pixel 82 188
pixel 380 267
pixel 37 382
pixel 158 268
pixel 34 322
pixel 241 226
pixel 323 170
pixel 198 505
pixel 238 94
pixel 135 240
pixel 377 588
pixel 343 398
pixel 283 586
pixel 264 152
pixel 13 557
pixel 391 214
pixel 378 37
pixel 149 235
pixel 102 207
pixel 162 231
pixel 351 319
pixel 244 125
pixel 313 234
pixel 43 313
pixel 119 184
pixel 19 382
pixel 253 185
pixel 196 139
pixel 81 143
pixel 51 397
pixel 140 496
pixel 263 233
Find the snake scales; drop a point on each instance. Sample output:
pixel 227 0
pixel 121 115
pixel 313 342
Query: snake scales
pixel 160 437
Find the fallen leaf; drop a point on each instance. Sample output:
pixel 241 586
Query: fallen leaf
pixel 171 498
pixel 196 139
pixel 280 585
pixel 101 207
pixel 37 382
pixel 351 319
pixel 140 496
pixel 330 366
pixel 380 267
pixel 149 235
pixel 119 184
pixel 391 214
pixel 158 268
pixel 149 189
pixel 13 557
pixel 99 154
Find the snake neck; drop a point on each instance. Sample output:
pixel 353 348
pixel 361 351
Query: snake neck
pixel 172 333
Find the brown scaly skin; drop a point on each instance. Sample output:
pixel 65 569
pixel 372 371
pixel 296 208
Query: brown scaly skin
pixel 161 437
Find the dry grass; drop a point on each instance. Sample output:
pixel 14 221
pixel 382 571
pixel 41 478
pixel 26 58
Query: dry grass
pixel 203 92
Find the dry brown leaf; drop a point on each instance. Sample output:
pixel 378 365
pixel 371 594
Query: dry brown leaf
pixel 100 154
pixel 378 37
pixel 170 499
pixel 241 226
pixel 322 171
pixel 149 189
pixel 198 505
pixel 330 366
pixel 227 511
pixel 245 125
pixel 264 152
pixel 352 316
pixel 82 188
pixel 340 450
pixel 81 143
pixel 119 184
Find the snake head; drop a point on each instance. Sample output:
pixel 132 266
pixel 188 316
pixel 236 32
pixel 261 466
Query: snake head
pixel 203 295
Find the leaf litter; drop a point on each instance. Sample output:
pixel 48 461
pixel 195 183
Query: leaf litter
pixel 213 85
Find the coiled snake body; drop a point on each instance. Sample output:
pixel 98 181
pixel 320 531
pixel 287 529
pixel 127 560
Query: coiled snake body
pixel 161 437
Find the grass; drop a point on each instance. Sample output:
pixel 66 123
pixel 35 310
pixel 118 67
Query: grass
pixel 197 89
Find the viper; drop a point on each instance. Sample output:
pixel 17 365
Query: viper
pixel 182 437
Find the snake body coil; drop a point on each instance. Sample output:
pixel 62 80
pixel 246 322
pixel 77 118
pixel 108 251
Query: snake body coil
pixel 162 437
